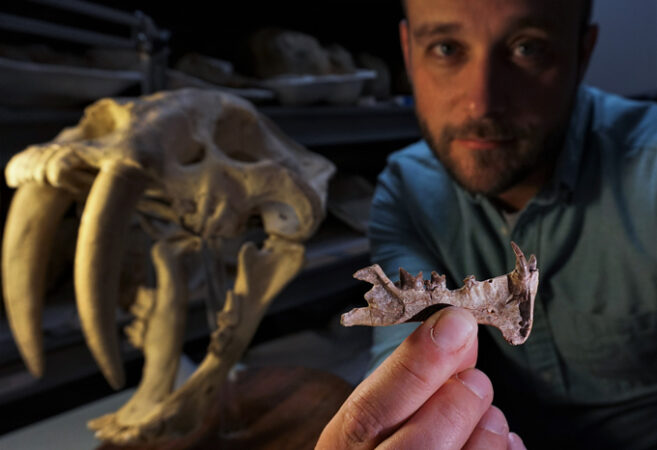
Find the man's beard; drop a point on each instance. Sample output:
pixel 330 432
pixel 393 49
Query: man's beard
pixel 493 171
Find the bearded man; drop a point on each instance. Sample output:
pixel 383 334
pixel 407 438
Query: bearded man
pixel 516 148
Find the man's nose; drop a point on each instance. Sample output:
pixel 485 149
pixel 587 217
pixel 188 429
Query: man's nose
pixel 487 88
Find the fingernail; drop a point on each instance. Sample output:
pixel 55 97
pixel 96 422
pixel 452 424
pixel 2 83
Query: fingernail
pixel 453 329
pixel 494 421
pixel 476 381
pixel 515 443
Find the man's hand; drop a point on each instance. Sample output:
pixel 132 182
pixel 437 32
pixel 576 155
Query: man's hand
pixel 426 394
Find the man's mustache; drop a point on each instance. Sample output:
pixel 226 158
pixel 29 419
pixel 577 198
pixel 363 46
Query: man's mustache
pixel 487 129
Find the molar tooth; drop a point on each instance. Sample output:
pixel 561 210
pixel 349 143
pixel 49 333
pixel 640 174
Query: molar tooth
pixel 418 281
pixel 437 281
pixel 532 263
pixel 470 281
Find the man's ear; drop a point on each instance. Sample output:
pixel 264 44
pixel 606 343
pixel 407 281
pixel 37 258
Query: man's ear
pixel 405 45
pixel 587 44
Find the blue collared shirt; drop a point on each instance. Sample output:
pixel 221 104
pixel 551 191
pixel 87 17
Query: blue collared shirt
pixel 590 364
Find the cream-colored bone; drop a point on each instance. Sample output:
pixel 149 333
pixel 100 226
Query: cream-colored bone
pixel 164 330
pixel 261 275
pixel 99 254
pixel 194 165
pixel 26 247
pixel 506 302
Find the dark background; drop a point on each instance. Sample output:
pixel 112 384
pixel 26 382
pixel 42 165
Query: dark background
pixel 220 28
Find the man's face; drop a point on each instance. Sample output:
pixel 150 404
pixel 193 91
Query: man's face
pixel 494 83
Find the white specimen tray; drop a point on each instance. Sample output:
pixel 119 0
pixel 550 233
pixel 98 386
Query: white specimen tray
pixel 340 89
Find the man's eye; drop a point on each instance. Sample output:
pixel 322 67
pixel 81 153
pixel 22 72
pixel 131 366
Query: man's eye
pixel 529 49
pixel 445 49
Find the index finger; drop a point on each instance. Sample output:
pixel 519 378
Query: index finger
pixel 442 346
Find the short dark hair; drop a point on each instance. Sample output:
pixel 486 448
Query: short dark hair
pixel 586 16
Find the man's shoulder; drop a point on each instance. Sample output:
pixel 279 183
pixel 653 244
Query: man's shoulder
pixel 415 168
pixel 622 151
pixel 415 153
pixel 632 124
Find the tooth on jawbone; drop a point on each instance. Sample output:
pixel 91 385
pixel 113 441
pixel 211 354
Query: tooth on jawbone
pixel 163 336
pixel 506 302
pixel 261 275
pixel 99 253
pixel 36 211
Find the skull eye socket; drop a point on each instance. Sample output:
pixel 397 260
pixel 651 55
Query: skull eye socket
pixel 193 154
pixel 234 137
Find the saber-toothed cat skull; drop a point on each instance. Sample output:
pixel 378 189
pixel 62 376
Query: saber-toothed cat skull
pixel 195 166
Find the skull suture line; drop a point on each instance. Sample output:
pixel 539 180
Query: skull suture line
pixel 201 162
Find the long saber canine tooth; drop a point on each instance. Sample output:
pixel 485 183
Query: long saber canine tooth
pixel 521 262
pixel 166 328
pixel 522 267
pixel 105 220
pixel 36 211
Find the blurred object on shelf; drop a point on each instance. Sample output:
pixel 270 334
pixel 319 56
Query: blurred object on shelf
pixel 349 200
pixel 112 59
pixel 302 72
pixel 275 52
pixel 213 70
pixel 180 80
pixel 96 58
pixel 41 76
pixel 341 60
pixel 378 87
pixel 339 89
pixel 41 53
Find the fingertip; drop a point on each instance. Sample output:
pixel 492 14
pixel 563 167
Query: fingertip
pixel 515 442
pixel 477 382
pixel 494 421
